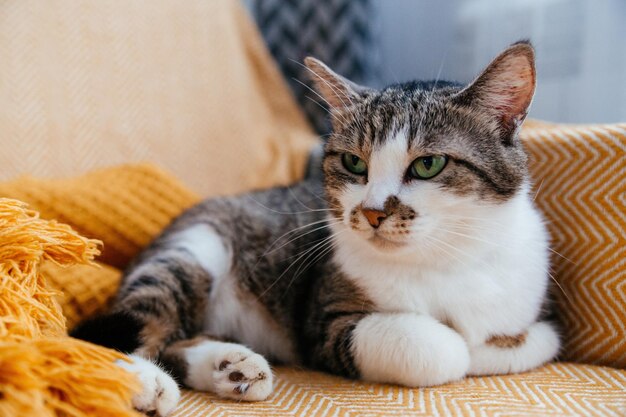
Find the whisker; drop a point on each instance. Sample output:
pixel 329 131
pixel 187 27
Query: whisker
pixel 467 255
pixel 333 111
pixel 332 87
pixel 306 247
pixel 483 262
pixel 436 243
pixel 474 238
pixel 319 197
pixel 464 217
pixel 477 228
pixel 538 189
pixel 501 232
pixel 298 200
pixel 443 60
pixel 326 239
pixel 294 262
pixel 292 231
pixel 325 109
pixel 562 256
pixel 335 90
pixel 321 252
pixel 302 235
pixel 560 287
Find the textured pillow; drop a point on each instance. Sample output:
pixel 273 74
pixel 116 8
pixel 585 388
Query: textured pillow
pixel 580 184
pixel 187 84
pixel 125 207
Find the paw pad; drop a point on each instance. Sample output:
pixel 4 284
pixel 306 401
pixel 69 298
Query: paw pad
pixel 243 376
pixel 223 365
pixel 235 376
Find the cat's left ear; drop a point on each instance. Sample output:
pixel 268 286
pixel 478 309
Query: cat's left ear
pixel 506 87
pixel 339 92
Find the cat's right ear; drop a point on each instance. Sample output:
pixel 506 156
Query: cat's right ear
pixel 339 92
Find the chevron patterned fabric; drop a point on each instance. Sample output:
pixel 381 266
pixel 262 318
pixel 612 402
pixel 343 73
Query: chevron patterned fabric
pixel 339 32
pixel 561 389
pixel 580 185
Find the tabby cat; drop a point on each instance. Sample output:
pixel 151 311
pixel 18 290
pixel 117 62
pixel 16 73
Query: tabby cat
pixel 418 259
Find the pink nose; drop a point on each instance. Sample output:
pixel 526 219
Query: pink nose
pixel 374 217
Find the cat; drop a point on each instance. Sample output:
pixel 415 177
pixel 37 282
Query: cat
pixel 418 258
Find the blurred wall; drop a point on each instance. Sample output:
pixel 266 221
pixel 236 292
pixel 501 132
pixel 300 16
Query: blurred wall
pixel 581 48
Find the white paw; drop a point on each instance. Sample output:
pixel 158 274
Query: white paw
pixel 242 374
pixel 160 392
pixel 409 349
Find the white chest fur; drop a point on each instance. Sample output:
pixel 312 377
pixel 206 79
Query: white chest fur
pixel 487 284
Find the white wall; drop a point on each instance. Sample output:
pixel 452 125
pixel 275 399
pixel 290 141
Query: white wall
pixel 581 48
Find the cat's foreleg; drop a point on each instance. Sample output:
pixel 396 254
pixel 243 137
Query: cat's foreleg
pixel 409 349
pixel 228 369
pixel 510 354
pixel 401 348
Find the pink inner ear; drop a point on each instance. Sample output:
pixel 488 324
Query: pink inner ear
pixel 508 87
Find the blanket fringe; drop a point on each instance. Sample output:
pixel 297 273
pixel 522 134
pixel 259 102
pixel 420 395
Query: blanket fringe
pixel 44 372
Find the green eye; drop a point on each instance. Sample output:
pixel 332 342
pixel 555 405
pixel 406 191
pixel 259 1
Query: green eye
pixel 427 167
pixel 354 164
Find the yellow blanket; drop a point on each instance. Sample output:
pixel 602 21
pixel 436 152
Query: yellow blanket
pixel 42 371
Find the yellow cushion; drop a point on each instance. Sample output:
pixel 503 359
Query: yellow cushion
pixel 580 185
pixel 125 207
pixel 187 84
pixel 561 389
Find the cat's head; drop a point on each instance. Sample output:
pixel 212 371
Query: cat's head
pixel 408 161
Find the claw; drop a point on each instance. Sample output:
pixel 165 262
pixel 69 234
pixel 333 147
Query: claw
pixel 241 389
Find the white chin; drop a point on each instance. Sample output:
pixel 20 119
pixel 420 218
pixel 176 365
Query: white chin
pixel 385 244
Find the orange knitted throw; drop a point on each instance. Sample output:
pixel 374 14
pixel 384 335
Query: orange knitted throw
pixel 44 372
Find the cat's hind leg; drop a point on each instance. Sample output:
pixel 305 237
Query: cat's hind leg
pixel 512 354
pixel 230 370
pixel 162 299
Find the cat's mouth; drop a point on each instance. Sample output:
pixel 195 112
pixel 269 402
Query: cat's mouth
pixel 384 243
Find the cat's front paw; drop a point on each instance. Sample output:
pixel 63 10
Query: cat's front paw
pixel 409 349
pixel 159 394
pixel 243 375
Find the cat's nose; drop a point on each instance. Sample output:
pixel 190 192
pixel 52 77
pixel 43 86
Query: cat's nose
pixel 373 216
